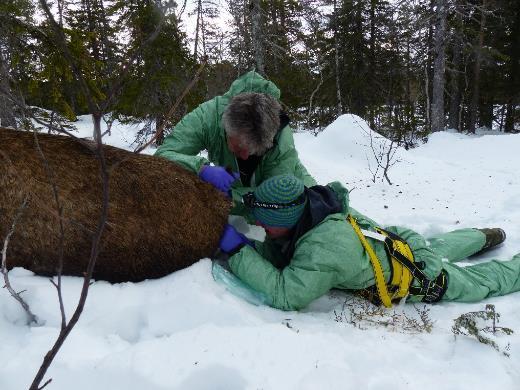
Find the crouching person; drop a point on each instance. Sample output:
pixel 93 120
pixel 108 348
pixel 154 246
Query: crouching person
pixel 247 136
pixel 316 242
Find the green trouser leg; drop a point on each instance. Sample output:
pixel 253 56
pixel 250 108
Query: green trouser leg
pixel 458 244
pixel 479 281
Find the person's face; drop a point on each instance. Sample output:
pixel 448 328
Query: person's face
pixel 275 231
pixel 237 147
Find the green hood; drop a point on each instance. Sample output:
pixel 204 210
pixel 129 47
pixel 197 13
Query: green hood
pixel 252 82
pixel 343 195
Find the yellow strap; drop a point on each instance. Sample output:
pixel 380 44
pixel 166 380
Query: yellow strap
pixel 401 276
pixel 403 281
pixel 406 278
pixel 376 265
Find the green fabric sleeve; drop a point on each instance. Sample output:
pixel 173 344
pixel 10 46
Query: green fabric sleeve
pixel 191 136
pixel 307 277
pixel 270 251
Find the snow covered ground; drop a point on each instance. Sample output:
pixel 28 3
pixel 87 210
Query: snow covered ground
pixel 185 331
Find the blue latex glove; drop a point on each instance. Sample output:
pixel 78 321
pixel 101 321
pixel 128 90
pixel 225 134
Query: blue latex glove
pixel 219 177
pixel 232 240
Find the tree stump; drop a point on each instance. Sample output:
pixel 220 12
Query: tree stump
pixel 161 217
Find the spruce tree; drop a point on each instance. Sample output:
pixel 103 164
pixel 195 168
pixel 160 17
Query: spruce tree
pixel 163 68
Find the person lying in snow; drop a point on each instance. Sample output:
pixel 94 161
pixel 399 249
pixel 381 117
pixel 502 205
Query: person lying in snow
pixel 247 137
pixel 316 242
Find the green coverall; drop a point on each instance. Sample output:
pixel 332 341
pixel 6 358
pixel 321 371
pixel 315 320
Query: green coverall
pixel 330 255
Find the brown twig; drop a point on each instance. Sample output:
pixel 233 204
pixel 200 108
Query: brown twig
pixel 59 207
pixel 159 131
pixel 62 130
pixel 31 318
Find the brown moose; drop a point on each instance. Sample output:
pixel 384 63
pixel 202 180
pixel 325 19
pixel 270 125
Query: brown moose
pixel 161 217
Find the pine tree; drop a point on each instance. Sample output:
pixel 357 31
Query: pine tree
pixel 16 17
pixel 163 68
pixel 439 54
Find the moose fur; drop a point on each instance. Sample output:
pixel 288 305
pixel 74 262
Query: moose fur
pixel 161 217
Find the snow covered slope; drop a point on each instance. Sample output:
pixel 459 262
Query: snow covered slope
pixel 185 331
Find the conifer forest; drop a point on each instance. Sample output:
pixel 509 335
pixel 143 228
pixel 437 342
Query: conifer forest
pixel 408 68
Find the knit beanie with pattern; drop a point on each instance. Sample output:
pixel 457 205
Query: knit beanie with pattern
pixel 282 189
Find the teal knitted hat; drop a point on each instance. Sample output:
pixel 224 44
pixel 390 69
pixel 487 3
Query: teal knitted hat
pixel 282 190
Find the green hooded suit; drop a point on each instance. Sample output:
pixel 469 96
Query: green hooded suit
pixel 330 255
pixel 202 129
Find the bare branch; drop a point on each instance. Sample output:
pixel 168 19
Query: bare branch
pixel 31 318
pixel 45 384
pixel 52 180
pixel 384 154
pixel 181 11
pixel 311 98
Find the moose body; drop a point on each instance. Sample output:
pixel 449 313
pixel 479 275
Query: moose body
pixel 161 217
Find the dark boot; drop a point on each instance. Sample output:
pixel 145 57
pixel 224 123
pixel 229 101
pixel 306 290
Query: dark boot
pixel 494 237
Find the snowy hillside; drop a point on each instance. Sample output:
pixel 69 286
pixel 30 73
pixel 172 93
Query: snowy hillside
pixel 185 331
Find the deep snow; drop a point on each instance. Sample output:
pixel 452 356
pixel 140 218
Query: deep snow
pixel 185 331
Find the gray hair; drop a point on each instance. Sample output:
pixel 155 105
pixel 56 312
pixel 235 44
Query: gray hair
pixel 255 117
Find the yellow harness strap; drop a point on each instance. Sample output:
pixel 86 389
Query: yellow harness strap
pixel 376 265
pixel 401 276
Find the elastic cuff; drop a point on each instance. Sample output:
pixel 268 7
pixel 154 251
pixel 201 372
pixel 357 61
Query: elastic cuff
pixel 201 168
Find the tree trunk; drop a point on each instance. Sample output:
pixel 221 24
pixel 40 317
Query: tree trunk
pixel 91 21
pixel 359 104
pixel 427 97
pixel 60 13
pixel 7 116
pixel 437 115
pixel 514 75
pixel 339 104
pixel 197 28
pixel 475 87
pixel 410 104
pixel 257 36
pixel 486 114
pixel 455 92
pixel 372 61
pixel 108 46
pixel 428 76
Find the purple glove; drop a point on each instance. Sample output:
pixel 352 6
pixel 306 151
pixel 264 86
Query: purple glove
pixel 219 177
pixel 232 240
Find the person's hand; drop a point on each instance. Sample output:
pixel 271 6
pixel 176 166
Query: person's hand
pixel 219 177
pixel 231 240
